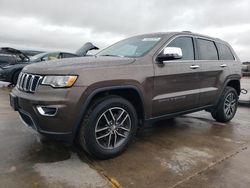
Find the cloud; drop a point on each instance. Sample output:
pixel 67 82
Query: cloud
pixel 26 32
pixel 61 24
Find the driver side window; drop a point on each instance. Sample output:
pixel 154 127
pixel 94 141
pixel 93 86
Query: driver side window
pixel 186 45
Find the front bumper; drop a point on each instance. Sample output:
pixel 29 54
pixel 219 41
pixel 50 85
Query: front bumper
pixel 59 126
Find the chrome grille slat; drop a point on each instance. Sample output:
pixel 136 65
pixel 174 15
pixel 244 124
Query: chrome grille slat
pixel 38 82
pixel 21 82
pixel 18 80
pixel 24 77
pixel 31 82
pixel 28 82
pixel 25 83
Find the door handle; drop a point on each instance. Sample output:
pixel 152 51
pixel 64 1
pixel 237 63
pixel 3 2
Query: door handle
pixel 223 65
pixel 194 66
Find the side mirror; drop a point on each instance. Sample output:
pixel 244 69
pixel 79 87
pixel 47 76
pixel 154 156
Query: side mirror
pixel 169 53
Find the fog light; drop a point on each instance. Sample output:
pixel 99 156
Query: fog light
pixel 47 111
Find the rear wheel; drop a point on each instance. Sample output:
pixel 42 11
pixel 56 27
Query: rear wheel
pixel 227 105
pixel 108 127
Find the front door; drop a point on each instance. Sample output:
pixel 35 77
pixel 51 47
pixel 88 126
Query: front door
pixel 177 82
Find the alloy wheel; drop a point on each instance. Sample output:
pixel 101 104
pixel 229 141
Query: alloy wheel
pixel 112 128
pixel 230 104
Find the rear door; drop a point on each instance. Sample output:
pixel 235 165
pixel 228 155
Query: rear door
pixel 177 82
pixel 214 70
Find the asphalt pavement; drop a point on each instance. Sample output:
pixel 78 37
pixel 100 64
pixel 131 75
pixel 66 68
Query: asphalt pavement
pixel 187 151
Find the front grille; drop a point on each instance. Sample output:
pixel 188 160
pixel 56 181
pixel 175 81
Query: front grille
pixel 28 82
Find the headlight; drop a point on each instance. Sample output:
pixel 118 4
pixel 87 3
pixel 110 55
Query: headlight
pixel 59 81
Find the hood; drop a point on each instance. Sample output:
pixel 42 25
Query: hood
pixel 13 51
pixel 70 65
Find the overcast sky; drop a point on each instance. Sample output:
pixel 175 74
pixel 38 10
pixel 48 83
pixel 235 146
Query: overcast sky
pixel 67 25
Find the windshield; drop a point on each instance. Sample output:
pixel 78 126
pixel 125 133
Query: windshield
pixel 37 57
pixel 131 47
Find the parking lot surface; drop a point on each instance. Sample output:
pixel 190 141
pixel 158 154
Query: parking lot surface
pixel 187 151
pixel 245 84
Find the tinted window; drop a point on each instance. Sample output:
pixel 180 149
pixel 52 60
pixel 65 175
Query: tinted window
pixel 6 60
pixel 207 50
pixel 186 45
pixel 3 60
pixel 224 52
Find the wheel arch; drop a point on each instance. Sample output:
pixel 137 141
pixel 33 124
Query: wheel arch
pixel 232 81
pixel 234 84
pixel 128 92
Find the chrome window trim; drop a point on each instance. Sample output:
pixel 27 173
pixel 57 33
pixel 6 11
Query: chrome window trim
pixel 195 37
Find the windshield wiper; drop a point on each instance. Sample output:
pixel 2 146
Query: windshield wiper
pixel 112 55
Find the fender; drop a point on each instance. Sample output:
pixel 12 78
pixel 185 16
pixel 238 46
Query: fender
pixel 99 90
pixel 228 79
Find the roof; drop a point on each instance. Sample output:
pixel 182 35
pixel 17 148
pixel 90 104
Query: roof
pixel 181 33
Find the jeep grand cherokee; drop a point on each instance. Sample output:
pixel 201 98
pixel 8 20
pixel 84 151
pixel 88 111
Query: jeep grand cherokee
pixel 100 101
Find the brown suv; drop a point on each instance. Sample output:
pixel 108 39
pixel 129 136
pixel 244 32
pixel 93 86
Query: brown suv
pixel 100 101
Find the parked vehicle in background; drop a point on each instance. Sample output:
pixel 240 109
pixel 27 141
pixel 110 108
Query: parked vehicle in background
pixel 88 46
pixel 100 101
pixel 6 59
pixel 31 53
pixel 12 61
pixel 246 68
pixel 48 56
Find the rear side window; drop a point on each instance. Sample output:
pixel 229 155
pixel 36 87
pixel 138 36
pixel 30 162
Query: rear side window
pixel 7 60
pixel 3 60
pixel 224 52
pixel 207 50
pixel 186 45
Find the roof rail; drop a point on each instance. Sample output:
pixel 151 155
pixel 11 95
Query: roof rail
pixel 187 31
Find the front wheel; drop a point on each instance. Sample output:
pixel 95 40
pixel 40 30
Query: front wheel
pixel 227 106
pixel 108 127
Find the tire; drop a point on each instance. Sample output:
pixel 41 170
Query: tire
pixel 108 127
pixel 15 77
pixel 227 106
